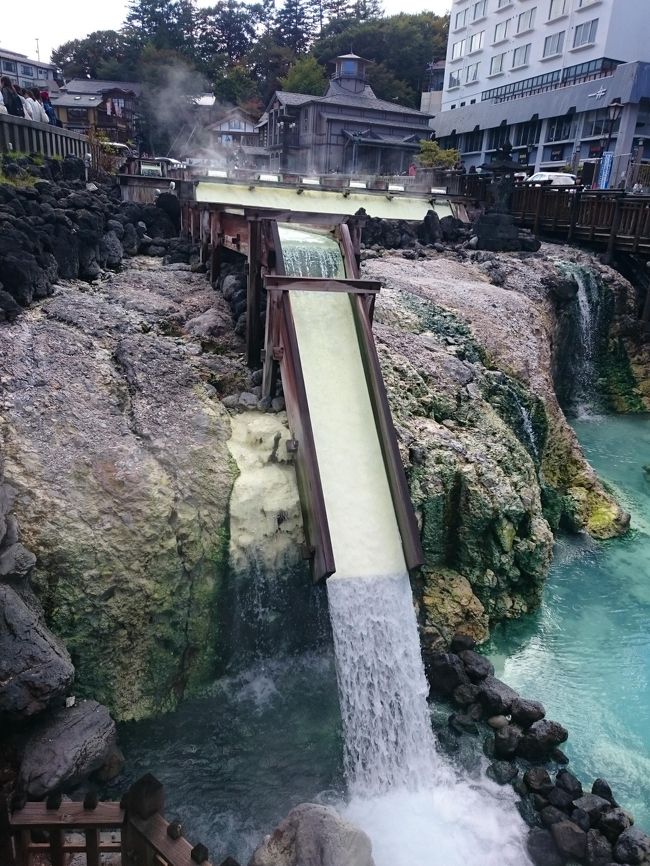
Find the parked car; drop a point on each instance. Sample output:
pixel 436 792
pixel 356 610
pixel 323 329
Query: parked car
pixel 553 178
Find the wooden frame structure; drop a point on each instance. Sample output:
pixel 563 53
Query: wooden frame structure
pixel 135 827
pixel 255 234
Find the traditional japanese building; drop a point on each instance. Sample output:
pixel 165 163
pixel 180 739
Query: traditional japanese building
pixel 347 130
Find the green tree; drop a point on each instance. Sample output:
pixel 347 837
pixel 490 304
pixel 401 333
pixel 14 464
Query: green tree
pixel 81 58
pixel 434 156
pixel 236 86
pixel 294 26
pixel 388 86
pixel 268 62
pixel 305 76
pixel 364 10
pixel 228 28
pixel 154 22
pixel 338 10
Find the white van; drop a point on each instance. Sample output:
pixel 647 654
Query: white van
pixel 553 178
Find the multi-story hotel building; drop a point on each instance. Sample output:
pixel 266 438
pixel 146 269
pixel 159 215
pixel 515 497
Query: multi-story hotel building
pixel 541 75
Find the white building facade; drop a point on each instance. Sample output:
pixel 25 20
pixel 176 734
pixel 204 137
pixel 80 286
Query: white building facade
pixel 28 73
pixel 541 73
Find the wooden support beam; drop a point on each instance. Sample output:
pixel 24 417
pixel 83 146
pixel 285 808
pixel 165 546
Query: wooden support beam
pixel 322 284
pixel 254 296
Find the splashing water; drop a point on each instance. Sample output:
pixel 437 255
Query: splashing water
pixel 529 430
pixel 402 792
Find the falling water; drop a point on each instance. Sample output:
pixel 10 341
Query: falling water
pixel 529 430
pixel 584 396
pixel 410 801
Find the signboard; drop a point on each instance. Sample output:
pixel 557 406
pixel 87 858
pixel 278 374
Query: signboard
pixel 605 171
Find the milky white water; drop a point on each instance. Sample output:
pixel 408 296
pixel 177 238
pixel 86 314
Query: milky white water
pixel 409 800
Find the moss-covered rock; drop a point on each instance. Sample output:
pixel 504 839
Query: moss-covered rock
pixel 118 449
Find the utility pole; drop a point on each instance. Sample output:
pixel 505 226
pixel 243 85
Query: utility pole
pixel 38 49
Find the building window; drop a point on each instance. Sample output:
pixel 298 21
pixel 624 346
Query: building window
pixel 497 63
pixel 9 66
pixel 583 3
pixel 526 20
pixel 473 141
pixel 476 41
pixel 527 133
pixel 26 70
pixel 478 10
pixel 585 33
pixel 554 44
pixel 501 4
pixel 461 19
pixel 598 123
pixel 78 115
pixel 556 8
pixel 349 67
pixel 520 56
pixel 561 128
pixel 471 73
pixel 457 49
pixel 454 78
pixel 497 137
pixel 501 31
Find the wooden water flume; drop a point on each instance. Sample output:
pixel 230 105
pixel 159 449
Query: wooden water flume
pixel 272 341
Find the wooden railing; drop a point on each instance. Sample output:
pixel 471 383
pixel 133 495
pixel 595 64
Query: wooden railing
pixel 608 219
pixel 134 828
pixel 16 133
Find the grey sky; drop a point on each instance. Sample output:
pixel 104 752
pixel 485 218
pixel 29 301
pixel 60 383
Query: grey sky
pixel 57 22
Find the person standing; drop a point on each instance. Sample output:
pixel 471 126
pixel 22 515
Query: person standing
pixel 12 101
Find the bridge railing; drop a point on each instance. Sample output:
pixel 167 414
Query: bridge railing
pixel 604 217
pixel 133 828
pixel 19 134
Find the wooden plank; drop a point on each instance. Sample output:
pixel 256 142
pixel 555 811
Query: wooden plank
pixel 322 284
pixel 412 546
pixel 107 815
pixel 92 847
pixel 153 830
pixel 254 296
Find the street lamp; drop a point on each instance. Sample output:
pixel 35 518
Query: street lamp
pixel 614 111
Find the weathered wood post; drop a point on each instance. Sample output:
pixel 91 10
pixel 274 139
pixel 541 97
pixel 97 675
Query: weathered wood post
pixel 6 843
pixel 143 799
pixel 254 295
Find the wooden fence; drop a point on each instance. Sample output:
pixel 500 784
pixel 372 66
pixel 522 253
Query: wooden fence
pixel 16 133
pixel 134 828
pixel 609 219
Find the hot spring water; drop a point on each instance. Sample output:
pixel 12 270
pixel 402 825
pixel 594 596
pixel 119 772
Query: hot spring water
pixel 402 792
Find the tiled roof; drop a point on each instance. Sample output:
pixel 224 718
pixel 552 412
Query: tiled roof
pixel 95 85
pixel 288 98
pixel 71 100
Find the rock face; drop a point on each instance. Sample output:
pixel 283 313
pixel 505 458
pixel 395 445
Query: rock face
pixel 492 464
pixel 313 835
pixel 66 747
pixel 35 667
pixel 116 442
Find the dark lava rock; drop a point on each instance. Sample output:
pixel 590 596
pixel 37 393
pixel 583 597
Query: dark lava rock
pixel 496 697
pixel 448 742
pixel 599 850
pixel 466 694
pixel 35 667
pixel 559 757
pixel 66 747
pixel 550 815
pixel 594 806
pixel 462 723
pixel 601 789
pixel 560 799
pixel 476 665
pixel 9 309
pixel 633 846
pixel 502 772
pixel 540 802
pixel 525 713
pixel 581 818
pixel 445 672
pixel 538 780
pixel 542 849
pixel 569 783
pixel 613 822
pixel 506 741
pixel 541 738
pixel 570 839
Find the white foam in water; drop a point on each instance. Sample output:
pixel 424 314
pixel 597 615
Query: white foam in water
pixel 403 793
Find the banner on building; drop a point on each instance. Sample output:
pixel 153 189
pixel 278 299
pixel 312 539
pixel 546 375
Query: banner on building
pixel 605 173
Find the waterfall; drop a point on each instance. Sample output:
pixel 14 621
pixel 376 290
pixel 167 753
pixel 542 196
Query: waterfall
pixel 527 424
pixel 410 801
pixel 584 396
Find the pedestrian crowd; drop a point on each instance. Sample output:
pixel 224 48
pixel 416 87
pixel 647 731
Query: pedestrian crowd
pixel 31 104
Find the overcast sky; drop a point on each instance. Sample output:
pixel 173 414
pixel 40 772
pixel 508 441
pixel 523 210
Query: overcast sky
pixel 56 22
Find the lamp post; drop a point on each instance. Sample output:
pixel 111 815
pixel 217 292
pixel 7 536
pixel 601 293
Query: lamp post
pixel 614 111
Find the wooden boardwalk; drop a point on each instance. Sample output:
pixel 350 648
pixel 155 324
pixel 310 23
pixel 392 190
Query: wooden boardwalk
pixel 607 219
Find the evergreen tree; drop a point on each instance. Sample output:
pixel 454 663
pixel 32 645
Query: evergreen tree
pixel 152 21
pixel 365 10
pixel 338 10
pixel 294 26
pixel 305 76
